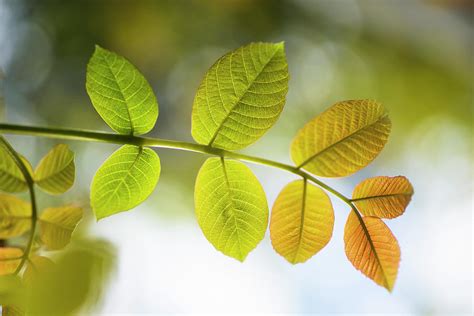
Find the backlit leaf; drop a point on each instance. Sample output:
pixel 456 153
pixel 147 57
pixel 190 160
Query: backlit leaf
pixel 241 96
pixel 10 258
pixel 11 177
pixel 36 266
pixel 15 216
pixel 302 221
pixel 385 197
pixel 120 93
pixel 372 249
pixel 56 171
pixel 57 225
pixel 343 139
pixel 125 180
pixel 231 207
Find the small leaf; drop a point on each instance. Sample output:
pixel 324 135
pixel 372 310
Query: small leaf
pixel 385 197
pixel 56 171
pixel 15 216
pixel 302 221
pixel 231 207
pixel 120 93
pixel 11 177
pixel 10 258
pixel 372 249
pixel 125 180
pixel 343 139
pixel 241 96
pixel 57 225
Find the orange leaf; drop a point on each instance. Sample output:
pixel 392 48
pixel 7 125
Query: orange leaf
pixel 372 249
pixel 9 260
pixel 385 197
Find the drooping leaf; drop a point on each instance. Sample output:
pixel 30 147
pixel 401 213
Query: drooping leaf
pixel 55 173
pixel 343 139
pixel 11 177
pixel 372 249
pixel 241 96
pixel 57 225
pixel 10 258
pixel 302 221
pixel 231 207
pixel 125 180
pixel 385 197
pixel 120 93
pixel 15 216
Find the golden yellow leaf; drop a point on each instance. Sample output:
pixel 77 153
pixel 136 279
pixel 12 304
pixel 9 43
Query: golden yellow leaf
pixel 343 139
pixel 385 197
pixel 10 258
pixel 302 221
pixel 15 216
pixel 372 249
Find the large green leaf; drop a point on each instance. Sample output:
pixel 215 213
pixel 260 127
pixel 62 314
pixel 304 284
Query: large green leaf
pixel 57 225
pixel 125 180
pixel 231 207
pixel 120 93
pixel 241 96
pixel 15 216
pixel 56 171
pixel 11 177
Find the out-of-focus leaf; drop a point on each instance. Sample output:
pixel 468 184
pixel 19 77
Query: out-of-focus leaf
pixel 241 96
pixel 231 207
pixel 120 93
pixel 343 139
pixel 372 249
pixel 12 292
pixel 9 260
pixel 12 310
pixel 11 177
pixel 302 221
pixel 385 197
pixel 15 216
pixel 36 266
pixel 56 171
pixel 125 180
pixel 57 225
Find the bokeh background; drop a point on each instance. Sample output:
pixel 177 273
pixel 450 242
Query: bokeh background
pixel 416 57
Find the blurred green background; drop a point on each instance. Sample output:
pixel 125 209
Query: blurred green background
pixel 416 57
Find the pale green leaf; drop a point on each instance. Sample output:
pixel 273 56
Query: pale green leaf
pixel 241 96
pixel 120 93
pixel 57 225
pixel 56 171
pixel 125 180
pixel 15 216
pixel 11 177
pixel 231 207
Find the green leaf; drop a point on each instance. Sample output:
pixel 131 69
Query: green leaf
pixel 125 180
pixel 231 207
pixel 15 216
pixel 11 177
pixel 120 93
pixel 57 225
pixel 56 171
pixel 241 96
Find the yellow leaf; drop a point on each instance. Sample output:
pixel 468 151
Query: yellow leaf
pixel 372 249
pixel 10 258
pixel 385 197
pixel 57 225
pixel 343 139
pixel 15 216
pixel 302 221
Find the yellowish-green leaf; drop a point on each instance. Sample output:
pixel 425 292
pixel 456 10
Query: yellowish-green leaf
pixel 11 310
pixel 372 249
pixel 11 177
pixel 343 139
pixel 120 93
pixel 15 216
pixel 56 171
pixel 57 225
pixel 125 180
pixel 231 207
pixel 385 197
pixel 241 96
pixel 302 221
pixel 10 258
pixel 36 266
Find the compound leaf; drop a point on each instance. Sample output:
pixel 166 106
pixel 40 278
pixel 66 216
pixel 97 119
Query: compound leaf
pixel 385 197
pixel 55 173
pixel 125 180
pixel 231 207
pixel 10 258
pixel 15 216
pixel 372 249
pixel 302 221
pixel 11 177
pixel 241 96
pixel 57 225
pixel 120 93
pixel 343 139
